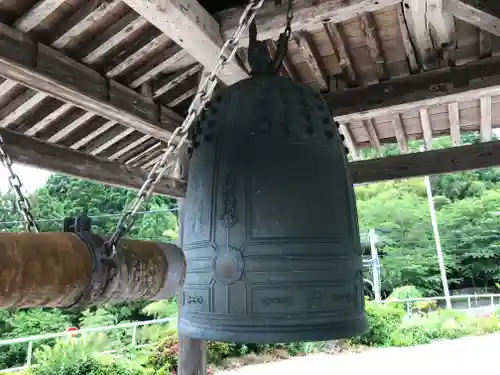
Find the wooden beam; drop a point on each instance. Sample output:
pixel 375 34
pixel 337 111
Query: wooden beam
pixel 52 73
pixel 408 44
pixel 448 160
pixel 287 69
pixel 372 134
pixel 192 28
pixel 485 104
pixel 454 117
pixel 112 141
pixel 307 15
pixel 307 50
pixel 339 44
pixel 484 14
pixel 426 128
pixel 129 147
pixel 401 137
pixel 349 140
pixel 54 158
pixel 37 14
pixel 72 126
pixel 184 96
pixel 485 44
pixel 439 87
pixel 374 47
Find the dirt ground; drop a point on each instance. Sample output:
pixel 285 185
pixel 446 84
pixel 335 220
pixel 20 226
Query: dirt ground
pixel 458 357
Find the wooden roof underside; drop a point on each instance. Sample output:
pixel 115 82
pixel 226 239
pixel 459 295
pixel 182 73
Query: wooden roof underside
pixel 112 79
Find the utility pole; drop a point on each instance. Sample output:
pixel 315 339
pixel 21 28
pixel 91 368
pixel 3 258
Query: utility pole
pixel 375 265
pixel 439 251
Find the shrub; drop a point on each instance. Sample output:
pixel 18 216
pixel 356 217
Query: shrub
pixel 383 319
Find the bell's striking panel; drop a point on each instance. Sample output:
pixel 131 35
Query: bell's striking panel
pixel 270 226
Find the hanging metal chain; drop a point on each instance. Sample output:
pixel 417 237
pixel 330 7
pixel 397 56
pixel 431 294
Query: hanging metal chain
pixel 199 102
pixel 22 203
pixel 282 48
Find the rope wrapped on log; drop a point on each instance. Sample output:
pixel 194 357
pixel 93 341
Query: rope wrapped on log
pixel 58 270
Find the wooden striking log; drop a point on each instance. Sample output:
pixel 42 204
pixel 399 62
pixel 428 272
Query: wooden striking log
pixel 56 270
pixel 29 151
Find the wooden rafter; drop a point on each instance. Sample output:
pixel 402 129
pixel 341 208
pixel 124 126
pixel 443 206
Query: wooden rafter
pixel 52 73
pixel 37 14
pixel 192 28
pixel 407 42
pixel 372 134
pixel 311 56
pixel 29 151
pixel 307 16
pixel 176 79
pixel 337 40
pixel 426 128
pixel 485 14
pixel 454 117
pixel 485 105
pixel 96 133
pixel 439 87
pixel 374 47
pixel 401 137
pixel 349 140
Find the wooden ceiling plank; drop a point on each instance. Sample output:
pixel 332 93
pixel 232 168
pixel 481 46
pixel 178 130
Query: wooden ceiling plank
pixel 175 79
pixel 37 14
pixel 192 28
pixel 339 44
pixel 448 160
pixel 23 109
pixel 176 54
pixel 307 15
pixel 96 133
pixel 112 141
pixel 129 147
pixel 484 14
pixel 48 120
pixel 374 46
pixel 54 74
pixel 85 17
pixel 30 151
pixel 408 44
pixel 454 118
pixel 372 134
pixel 486 134
pixel 309 53
pixel 124 32
pixel 426 128
pixel 6 86
pixel 349 140
pixel 401 137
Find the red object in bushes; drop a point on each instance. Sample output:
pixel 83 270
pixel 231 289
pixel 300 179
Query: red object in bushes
pixel 72 329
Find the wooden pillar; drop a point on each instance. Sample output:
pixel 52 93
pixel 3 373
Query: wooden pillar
pixel 192 354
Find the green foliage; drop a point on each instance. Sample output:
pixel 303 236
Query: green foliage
pixel 405 292
pixel 79 358
pixel 390 326
pixel 161 309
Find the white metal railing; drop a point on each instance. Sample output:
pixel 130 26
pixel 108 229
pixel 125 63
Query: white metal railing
pixel 80 332
pixel 473 300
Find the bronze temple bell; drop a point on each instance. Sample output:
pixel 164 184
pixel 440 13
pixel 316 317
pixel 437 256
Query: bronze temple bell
pixel 270 232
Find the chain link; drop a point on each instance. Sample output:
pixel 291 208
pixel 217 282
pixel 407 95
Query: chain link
pixel 22 203
pixel 199 102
